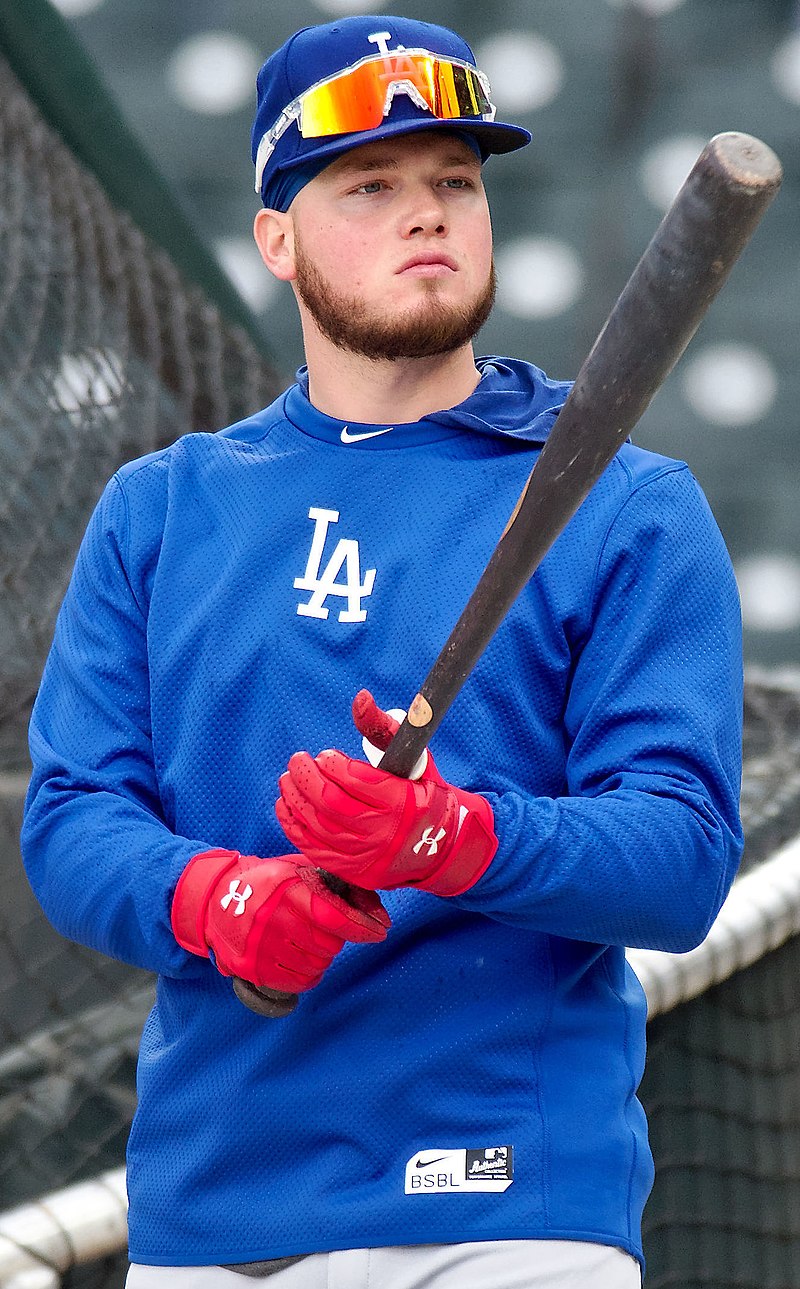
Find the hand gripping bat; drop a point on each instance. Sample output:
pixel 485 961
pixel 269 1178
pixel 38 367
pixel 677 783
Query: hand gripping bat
pixel 682 270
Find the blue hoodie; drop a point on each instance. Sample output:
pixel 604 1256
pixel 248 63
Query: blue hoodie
pixel 475 1076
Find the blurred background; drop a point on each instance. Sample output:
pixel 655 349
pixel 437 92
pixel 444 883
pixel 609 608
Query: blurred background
pixel 620 98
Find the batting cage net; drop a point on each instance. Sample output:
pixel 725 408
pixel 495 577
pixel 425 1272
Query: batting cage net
pixel 108 350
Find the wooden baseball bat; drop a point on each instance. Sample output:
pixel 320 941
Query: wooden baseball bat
pixel 684 267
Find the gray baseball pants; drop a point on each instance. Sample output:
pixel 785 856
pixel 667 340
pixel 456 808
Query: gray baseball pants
pixel 492 1264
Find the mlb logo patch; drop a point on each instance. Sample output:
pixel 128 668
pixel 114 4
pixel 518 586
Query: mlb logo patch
pixel 490 1168
pixel 495 1162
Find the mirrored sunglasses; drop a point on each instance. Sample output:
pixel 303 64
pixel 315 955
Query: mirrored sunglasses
pixel 360 97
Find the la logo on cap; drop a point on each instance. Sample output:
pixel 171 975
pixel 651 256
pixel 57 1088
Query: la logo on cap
pixel 380 38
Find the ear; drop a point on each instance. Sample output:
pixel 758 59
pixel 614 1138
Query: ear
pixel 274 234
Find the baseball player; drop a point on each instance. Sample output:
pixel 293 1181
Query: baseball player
pixel 453 1100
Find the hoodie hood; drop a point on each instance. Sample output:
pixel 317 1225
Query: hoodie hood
pixel 512 400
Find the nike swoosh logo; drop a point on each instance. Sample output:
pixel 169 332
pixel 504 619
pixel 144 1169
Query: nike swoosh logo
pixel 347 437
pixel 426 1163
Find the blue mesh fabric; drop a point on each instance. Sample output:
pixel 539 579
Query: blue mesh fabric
pixel 603 724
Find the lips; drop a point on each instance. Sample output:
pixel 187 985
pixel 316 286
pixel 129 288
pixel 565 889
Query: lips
pixel 429 260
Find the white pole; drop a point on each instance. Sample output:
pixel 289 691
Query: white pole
pixel 761 912
pixel 41 1240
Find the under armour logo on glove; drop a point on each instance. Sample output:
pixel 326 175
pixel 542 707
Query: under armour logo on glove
pixel 379 831
pixel 427 839
pixel 289 925
pixel 241 898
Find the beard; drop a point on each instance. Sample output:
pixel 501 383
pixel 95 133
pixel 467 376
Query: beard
pixel 430 328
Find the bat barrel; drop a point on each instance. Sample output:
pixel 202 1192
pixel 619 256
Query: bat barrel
pixel 744 162
pixel 682 270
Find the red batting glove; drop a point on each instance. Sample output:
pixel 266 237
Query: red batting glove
pixel 379 831
pixel 270 921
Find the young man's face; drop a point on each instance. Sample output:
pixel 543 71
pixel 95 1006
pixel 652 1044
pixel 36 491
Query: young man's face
pixel 393 247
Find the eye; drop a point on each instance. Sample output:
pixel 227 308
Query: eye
pixel 458 182
pixel 371 186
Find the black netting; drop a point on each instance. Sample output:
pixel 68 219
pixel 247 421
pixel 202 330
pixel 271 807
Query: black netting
pixel 722 1092
pixel 771 783
pixel 722 1083
pixel 106 353
pixel 108 1274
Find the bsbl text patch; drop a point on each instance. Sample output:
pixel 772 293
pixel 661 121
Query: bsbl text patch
pixel 430 1172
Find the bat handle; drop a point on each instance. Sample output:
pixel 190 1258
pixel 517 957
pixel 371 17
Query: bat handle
pixel 272 1003
pixel 400 758
pixel 275 1003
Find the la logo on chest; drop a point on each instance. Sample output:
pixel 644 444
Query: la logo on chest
pixel 339 576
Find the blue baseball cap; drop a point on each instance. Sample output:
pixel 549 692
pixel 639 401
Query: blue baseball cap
pixel 321 53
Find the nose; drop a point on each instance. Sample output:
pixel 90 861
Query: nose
pixel 425 213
